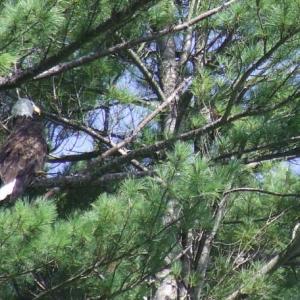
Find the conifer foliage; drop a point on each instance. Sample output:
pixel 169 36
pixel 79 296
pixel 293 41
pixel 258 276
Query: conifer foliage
pixel 173 131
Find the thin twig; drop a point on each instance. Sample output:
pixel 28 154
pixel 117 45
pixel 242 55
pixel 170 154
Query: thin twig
pixel 261 191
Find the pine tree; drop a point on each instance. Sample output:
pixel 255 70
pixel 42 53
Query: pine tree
pixel 173 132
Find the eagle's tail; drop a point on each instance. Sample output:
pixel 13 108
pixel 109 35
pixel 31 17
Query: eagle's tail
pixel 7 189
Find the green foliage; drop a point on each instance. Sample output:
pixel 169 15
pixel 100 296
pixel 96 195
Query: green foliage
pixel 125 233
pixel 31 21
pixel 120 234
pixel 6 62
pixel 111 241
pixel 176 269
pixel 122 95
pixel 33 238
pixel 202 85
pixel 163 14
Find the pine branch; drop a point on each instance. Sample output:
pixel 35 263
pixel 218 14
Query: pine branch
pixel 202 264
pixel 271 146
pixel 287 154
pixel 86 179
pixel 75 125
pixel 291 251
pixel 261 191
pixel 109 260
pixel 115 22
pixel 94 134
pixel 147 74
pixel 263 219
pixel 237 88
pixel 62 67
pixel 188 39
pixel 14 275
pixel 74 157
pixel 66 282
pixel 150 151
pixel 95 171
pixel 181 88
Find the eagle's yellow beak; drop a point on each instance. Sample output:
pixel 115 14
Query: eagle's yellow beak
pixel 37 109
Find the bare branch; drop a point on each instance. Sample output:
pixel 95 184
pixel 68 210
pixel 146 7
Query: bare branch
pixel 93 133
pixel 181 87
pixel 147 74
pixel 77 126
pixel 84 179
pixel 205 255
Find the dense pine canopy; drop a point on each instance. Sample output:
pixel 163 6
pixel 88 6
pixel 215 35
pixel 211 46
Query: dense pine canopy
pixel 173 133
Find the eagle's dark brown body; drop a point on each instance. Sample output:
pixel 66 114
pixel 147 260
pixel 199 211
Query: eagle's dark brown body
pixel 23 154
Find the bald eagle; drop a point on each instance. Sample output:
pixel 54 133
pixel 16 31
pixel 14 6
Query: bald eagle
pixel 24 152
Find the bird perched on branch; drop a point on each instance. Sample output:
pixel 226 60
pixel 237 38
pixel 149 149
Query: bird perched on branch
pixel 24 152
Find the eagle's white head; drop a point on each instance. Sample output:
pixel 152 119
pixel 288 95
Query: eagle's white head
pixel 24 107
